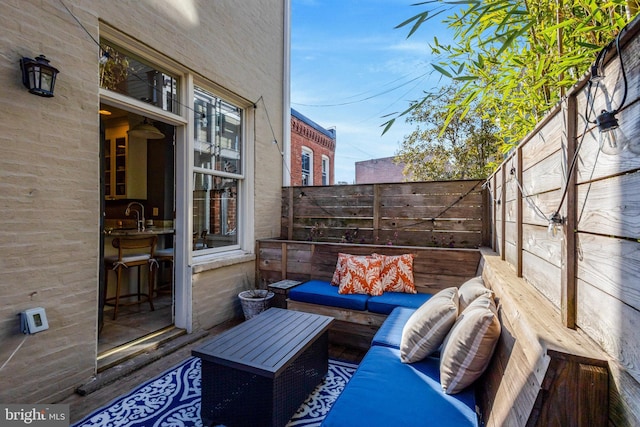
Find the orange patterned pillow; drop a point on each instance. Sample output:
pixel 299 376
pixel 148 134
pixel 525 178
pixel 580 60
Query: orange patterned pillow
pixel 361 276
pixel 341 268
pixel 397 273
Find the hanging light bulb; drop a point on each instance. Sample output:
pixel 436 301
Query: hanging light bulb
pixel 612 140
pixel 556 223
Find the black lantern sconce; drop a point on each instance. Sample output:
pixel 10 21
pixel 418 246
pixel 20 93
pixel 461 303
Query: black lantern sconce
pixel 38 76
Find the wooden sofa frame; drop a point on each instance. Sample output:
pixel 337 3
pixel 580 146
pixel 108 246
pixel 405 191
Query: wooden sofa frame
pixel 434 269
pixel 542 373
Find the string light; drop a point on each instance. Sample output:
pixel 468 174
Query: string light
pixel 611 139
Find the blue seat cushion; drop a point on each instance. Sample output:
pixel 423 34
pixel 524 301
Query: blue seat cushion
pixel 321 292
pixel 386 392
pixel 386 302
pixel 390 333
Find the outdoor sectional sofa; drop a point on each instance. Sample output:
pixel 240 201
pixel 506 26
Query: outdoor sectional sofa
pixel 385 392
pixel 541 374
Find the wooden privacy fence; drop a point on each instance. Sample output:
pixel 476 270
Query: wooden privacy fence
pixel 590 269
pixel 443 214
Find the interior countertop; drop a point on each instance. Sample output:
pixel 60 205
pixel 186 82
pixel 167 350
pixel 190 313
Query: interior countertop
pixel 134 232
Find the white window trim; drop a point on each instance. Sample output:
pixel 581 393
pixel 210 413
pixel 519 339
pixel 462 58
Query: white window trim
pixel 211 258
pixel 325 161
pixel 186 264
pixel 308 151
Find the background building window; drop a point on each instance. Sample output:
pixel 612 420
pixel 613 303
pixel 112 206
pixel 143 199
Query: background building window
pixel 217 172
pixel 307 166
pixel 325 170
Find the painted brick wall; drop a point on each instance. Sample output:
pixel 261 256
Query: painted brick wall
pixel 49 186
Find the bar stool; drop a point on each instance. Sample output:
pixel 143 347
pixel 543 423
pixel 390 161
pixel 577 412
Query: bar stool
pixel 132 252
pixel 164 256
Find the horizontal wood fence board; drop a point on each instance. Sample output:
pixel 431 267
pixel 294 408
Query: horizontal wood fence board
pixel 544 276
pixel 334 191
pixel 460 210
pixel 335 235
pixel 610 207
pixel 429 187
pixel 511 231
pixel 438 239
pixel 333 214
pixel 612 324
pixel 270 264
pixel 511 207
pixel 545 142
pixel 330 212
pixel 547 203
pixel 611 265
pixel 544 176
pixel 441 224
pixel 442 201
pixel 510 252
pixel 323 223
pixel 434 268
pixel 512 191
pixel 624 400
pixel 536 240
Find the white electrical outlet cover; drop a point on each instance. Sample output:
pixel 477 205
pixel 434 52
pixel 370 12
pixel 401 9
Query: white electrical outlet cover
pixel 34 320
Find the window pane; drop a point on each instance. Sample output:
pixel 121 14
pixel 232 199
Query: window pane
pixel 215 211
pixel 134 77
pixel 325 171
pixel 306 168
pixel 218 125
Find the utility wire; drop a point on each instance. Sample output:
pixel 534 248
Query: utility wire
pixel 81 26
pixel 275 140
pixel 363 99
pixel 527 197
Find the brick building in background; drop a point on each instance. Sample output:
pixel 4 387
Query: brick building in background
pixel 376 171
pixel 312 152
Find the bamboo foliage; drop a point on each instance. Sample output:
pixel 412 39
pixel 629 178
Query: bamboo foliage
pixel 589 267
pixel 517 59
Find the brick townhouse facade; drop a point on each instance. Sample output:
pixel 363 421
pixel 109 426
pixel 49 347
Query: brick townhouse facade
pixel 312 152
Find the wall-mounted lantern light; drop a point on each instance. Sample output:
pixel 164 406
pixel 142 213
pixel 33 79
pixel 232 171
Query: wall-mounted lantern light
pixel 38 76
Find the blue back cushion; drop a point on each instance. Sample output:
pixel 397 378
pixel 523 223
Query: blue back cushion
pixel 386 392
pixel 390 333
pixel 385 303
pixel 321 292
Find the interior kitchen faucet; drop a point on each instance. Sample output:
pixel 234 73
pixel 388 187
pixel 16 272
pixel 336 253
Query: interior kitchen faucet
pixel 139 215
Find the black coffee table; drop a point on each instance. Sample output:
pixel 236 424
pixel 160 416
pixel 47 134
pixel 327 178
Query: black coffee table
pixel 259 372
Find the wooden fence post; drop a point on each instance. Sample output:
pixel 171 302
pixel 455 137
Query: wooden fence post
pixel 519 200
pixel 568 245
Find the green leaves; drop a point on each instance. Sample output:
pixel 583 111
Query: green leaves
pixel 513 59
pixel 464 149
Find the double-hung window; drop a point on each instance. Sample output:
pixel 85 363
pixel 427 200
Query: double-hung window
pixel 217 173
pixel 325 170
pixel 307 166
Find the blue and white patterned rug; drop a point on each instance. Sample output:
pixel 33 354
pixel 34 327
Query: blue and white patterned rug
pixel 173 399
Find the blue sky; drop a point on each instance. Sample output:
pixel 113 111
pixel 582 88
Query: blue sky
pixel 350 67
